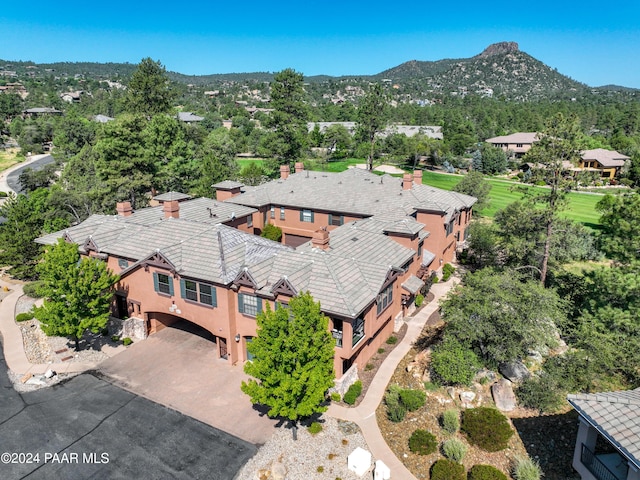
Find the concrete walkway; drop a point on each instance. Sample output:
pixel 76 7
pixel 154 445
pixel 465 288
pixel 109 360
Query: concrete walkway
pixel 13 346
pixel 365 413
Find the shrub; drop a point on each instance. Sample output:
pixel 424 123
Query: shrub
pixel 353 393
pixel 126 341
pixel 392 340
pixel 487 428
pixel 423 442
pixel 396 411
pixel 486 472
pixel 412 399
pixel 526 469
pixel 314 428
pixel 24 316
pixel 381 350
pixel 320 469
pixel 454 449
pixel 419 300
pixel 451 421
pixel 368 366
pixel 445 469
pixel 115 338
pixel 272 232
pixel 335 397
pixel 454 363
pixel 3 194
pixel 431 387
pixel 541 393
pixel 447 271
pixel 32 289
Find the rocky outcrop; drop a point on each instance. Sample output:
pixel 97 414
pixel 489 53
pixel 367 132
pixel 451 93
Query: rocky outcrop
pixel 499 49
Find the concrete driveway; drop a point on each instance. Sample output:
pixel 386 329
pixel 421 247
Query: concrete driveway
pixel 179 369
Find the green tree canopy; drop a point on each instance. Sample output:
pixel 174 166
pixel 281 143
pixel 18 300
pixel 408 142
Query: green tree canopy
pixel 373 116
pixel 474 184
pixel 77 292
pixel 501 316
pixel 293 364
pixel 620 236
pixel 288 121
pixel 218 161
pixel 149 91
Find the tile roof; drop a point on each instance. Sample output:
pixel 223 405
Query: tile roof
pixel 354 191
pixel 606 158
pixel 520 137
pixel 189 117
pixel 616 415
pixel 172 196
pixel 412 284
pixel 228 185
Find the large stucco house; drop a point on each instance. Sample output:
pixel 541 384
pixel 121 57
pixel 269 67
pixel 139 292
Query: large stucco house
pixel 358 242
pixel 516 144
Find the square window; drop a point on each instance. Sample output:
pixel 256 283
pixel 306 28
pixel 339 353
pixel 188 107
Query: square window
pixel 307 216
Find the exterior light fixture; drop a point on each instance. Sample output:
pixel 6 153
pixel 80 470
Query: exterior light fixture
pixel 237 337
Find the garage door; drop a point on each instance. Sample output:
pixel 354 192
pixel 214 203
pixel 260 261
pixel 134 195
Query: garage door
pixel 295 240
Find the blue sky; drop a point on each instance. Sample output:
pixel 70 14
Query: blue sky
pixel 594 45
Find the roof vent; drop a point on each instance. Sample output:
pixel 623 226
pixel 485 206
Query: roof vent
pixel 354 239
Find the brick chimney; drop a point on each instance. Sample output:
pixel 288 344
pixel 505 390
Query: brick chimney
pixel 299 167
pixel 124 209
pixel 284 172
pixel 407 181
pixel 320 239
pixel 171 209
pixel 417 177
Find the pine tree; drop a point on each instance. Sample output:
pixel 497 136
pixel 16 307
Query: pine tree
pixel 293 360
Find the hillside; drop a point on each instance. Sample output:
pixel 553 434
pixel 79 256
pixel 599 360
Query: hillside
pixel 501 70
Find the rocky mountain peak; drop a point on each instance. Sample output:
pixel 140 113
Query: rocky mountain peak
pixel 499 48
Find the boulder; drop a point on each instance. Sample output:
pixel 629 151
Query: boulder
pixel 514 371
pixel 467 398
pixel 278 471
pixel 503 395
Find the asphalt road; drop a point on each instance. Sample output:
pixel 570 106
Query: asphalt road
pixel 37 164
pixel 88 428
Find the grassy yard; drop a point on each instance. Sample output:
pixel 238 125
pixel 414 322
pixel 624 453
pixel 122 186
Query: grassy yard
pixel 581 208
pixel 9 158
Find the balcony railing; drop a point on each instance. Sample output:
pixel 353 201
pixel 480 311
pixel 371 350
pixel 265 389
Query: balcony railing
pixel 597 467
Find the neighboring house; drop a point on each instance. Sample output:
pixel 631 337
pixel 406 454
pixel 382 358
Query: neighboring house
pixel 516 144
pixel 72 97
pixel 364 242
pixel 102 118
pixel 608 443
pixel 40 111
pixel 430 131
pixel 189 117
pixel 607 162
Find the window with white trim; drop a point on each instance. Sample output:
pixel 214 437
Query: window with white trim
pixel 281 213
pixel 273 212
pixel 385 298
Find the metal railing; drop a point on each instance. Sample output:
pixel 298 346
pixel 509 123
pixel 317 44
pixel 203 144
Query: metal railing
pixel 596 467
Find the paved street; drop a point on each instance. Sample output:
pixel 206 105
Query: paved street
pixel 107 432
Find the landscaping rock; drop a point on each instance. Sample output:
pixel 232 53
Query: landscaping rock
pixel 467 398
pixel 503 395
pixel 49 373
pixel 514 371
pixel 278 471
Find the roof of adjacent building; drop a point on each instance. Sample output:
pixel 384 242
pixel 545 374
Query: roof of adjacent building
pixel 169 196
pixel 412 284
pixel 102 118
pixel 227 185
pixel 520 137
pixel 606 158
pixel 616 415
pixel 189 117
pixel 354 191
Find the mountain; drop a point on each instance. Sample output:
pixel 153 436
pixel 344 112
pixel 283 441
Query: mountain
pixel 500 70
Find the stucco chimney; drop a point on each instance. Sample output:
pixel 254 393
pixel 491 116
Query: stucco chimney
pixel 320 239
pixel 124 209
pixel 407 181
pixel 171 209
pixel 284 172
pixel 299 167
pixel 417 177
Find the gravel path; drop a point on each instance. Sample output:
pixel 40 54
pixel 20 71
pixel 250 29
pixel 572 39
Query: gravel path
pixel 322 456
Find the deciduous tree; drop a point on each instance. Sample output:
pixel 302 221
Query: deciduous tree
pixel 293 364
pixel 77 292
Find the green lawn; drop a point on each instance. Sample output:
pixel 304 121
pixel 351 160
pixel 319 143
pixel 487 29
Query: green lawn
pixel 581 208
pixel 243 162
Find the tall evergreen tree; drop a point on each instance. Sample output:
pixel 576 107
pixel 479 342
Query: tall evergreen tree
pixel 288 121
pixel 373 115
pixel 293 364
pixel 149 91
